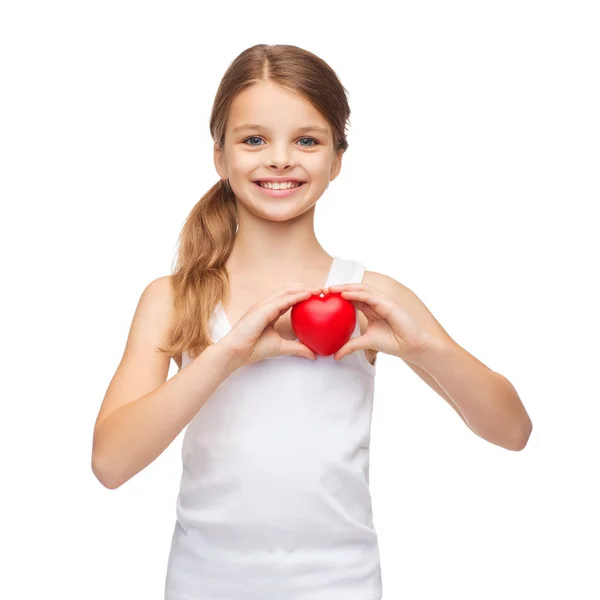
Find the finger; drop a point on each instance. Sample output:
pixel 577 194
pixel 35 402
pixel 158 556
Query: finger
pixel 313 289
pixel 381 305
pixel 282 304
pixel 310 286
pixel 353 344
pixel 296 349
pixel 366 309
pixel 296 287
pixel 350 286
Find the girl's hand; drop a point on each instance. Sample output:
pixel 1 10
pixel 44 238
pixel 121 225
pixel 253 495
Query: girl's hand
pixel 390 329
pixel 254 338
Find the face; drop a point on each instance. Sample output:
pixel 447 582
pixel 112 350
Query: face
pixel 275 146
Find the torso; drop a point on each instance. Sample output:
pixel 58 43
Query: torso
pixel 243 294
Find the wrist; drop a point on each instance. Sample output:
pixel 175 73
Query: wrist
pixel 432 353
pixel 230 357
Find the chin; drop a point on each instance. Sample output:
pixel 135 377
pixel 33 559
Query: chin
pixel 274 210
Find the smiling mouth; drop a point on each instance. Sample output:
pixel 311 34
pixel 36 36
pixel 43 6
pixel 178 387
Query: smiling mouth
pixel 300 184
pixel 278 193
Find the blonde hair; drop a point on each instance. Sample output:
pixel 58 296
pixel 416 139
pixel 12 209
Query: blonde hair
pixel 199 279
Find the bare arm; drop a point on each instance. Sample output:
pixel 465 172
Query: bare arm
pixel 142 412
pixel 133 436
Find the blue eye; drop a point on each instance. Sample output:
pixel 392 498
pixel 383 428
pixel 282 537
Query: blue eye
pixel 312 140
pixel 255 137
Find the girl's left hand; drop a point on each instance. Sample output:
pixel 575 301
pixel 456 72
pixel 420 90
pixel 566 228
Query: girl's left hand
pixel 390 329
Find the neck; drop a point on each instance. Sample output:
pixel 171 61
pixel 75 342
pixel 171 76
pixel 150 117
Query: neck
pixel 275 247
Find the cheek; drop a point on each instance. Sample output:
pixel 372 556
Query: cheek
pixel 242 165
pixel 243 168
pixel 317 168
pixel 321 175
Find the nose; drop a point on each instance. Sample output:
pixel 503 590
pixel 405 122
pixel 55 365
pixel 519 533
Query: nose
pixel 280 156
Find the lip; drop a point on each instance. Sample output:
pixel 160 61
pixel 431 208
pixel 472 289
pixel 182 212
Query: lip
pixel 280 178
pixel 279 193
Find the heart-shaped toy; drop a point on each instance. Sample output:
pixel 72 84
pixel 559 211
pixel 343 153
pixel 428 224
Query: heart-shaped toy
pixel 324 323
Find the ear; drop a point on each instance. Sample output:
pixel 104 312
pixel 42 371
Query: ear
pixel 219 161
pixel 337 165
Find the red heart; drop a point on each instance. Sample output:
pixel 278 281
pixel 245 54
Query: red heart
pixel 324 323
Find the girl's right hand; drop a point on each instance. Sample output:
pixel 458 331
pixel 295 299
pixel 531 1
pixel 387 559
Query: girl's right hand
pixel 254 338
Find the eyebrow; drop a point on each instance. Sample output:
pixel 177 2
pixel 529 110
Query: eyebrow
pixel 299 130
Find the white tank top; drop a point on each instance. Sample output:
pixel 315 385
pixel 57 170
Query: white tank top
pixel 274 502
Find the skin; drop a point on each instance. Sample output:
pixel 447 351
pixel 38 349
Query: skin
pixel 274 232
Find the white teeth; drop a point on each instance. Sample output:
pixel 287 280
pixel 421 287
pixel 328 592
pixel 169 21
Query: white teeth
pixel 284 185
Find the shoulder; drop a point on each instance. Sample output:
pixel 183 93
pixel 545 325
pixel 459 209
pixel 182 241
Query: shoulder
pixel 164 283
pixel 165 295
pixel 157 300
pixel 160 292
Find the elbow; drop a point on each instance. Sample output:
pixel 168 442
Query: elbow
pixel 102 469
pixel 105 476
pixel 523 438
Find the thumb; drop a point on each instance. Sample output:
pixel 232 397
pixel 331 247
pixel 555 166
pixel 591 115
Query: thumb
pixel 350 346
pixel 296 349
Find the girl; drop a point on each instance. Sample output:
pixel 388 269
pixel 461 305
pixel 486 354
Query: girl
pixel 274 501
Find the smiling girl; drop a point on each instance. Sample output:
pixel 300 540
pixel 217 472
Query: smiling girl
pixel 274 502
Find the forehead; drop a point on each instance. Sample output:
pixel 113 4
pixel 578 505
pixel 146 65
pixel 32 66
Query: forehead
pixel 273 107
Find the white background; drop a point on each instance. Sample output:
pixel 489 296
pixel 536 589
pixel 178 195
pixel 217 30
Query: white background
pixel 472 177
